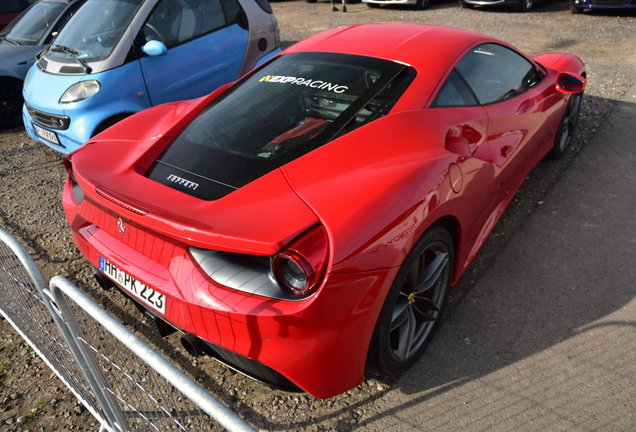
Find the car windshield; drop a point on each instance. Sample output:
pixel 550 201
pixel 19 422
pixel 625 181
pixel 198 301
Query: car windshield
pixel 290 107
pixel 108 20
pixel 32 24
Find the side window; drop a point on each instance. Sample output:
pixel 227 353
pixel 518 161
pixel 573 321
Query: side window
pixel 496 73
pixel 454 92
pixel 174 22
pixel 233 12
pixel 264 4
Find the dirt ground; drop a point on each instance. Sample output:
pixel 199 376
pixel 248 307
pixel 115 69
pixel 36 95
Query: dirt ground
pixel 31 176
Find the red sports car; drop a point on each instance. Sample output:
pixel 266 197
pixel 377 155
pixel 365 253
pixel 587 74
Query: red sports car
pixel 304 224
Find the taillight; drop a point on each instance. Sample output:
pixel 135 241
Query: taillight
pixel 77 191
pixel 69 166
pixel 121 203
pixel 301 266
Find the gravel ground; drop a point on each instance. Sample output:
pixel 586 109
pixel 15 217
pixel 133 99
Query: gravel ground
pixel 31 176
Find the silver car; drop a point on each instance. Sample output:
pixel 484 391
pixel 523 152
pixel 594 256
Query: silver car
pixel 418 4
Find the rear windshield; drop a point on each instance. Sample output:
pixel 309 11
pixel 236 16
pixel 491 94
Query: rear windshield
pixel 290 107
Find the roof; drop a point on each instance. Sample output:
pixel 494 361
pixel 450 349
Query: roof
pixel 431 49
pixel 414 44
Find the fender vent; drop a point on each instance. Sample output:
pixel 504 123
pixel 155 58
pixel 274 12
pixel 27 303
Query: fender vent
pixel 72 70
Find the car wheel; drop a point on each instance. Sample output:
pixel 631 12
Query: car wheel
pixel 311 1
pixel 10 103
pixel 414 306
pixel 373 5
pixel 525 5
pixel 422 4
pixel 110 122
pixel 567 126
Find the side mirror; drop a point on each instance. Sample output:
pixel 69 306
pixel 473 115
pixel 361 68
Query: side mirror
pixel 570 83
pixel 154 48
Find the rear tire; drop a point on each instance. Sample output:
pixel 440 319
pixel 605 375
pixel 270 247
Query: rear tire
pixel 111 121
pixel 414 305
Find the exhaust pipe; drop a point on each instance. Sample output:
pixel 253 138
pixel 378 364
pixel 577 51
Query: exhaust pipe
pixel 104 282
pixel 193 345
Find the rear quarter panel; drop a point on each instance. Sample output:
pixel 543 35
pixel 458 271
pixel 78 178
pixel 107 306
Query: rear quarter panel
pixel 380 187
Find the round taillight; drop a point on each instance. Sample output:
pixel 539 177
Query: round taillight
pixel 301 266
pixel 295 273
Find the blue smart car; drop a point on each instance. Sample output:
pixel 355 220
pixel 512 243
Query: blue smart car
pixel 117 57
pixel 20 41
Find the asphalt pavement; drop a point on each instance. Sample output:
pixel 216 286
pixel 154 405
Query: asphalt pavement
pixel 546 339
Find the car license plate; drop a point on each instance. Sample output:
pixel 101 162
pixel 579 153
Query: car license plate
pixel 140 291
pixel 46 134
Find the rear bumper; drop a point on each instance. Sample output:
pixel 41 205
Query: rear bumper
pixel 319 344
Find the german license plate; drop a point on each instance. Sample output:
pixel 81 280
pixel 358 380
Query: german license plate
pixel 46 134
pixel 140 291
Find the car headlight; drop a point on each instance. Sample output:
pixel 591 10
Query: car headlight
pixel 26 79
pixel 80 91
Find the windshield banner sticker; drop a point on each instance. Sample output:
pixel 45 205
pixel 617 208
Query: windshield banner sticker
pixel 320 85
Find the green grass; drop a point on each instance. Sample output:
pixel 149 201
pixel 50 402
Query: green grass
pixel 30 416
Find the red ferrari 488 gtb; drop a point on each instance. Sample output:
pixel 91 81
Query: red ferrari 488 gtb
pixel 305 224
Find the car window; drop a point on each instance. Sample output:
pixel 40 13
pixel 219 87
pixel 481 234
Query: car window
pixel 264 4
pixel 234 13
pixel 63 20
pixel 454 92
pixel 174 22
pixel 108 21
pixel 496 73
pixel 293 105
pixel 33 23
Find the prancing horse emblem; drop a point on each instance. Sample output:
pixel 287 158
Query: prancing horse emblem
pixel 122 228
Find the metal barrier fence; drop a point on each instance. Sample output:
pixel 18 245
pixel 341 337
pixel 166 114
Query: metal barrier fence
pixel 120 379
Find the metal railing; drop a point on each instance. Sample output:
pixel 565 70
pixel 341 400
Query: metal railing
pixel 120 379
